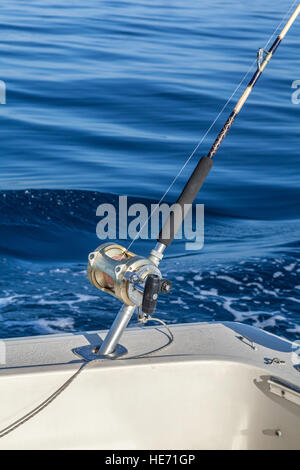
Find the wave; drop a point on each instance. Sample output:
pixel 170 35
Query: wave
pixel 41 225
pixel 60 225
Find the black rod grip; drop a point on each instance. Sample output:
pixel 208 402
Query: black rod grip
pixel 188 195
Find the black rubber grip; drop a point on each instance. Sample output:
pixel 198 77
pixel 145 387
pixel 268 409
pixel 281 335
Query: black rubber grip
pixel 188 195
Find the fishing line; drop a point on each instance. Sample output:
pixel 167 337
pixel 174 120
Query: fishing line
pixel 260 67
pixel 208 130
pixel 44 404
pixel 41 406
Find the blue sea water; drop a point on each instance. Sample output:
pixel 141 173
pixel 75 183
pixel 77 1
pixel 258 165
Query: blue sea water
pixel 108 98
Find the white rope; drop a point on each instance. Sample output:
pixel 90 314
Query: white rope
pixel 208 130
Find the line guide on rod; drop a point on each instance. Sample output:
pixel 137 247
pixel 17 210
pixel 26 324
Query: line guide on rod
pixel 137 281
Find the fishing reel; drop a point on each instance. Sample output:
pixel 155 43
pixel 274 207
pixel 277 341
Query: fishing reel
pixel 134 280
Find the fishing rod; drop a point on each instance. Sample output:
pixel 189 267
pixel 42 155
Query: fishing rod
pixel 137 281
pixel 201 171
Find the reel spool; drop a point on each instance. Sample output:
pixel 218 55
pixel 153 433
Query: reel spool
pixel 123 274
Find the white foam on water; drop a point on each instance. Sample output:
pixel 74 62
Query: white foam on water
pixel 56 302
pixel 4 301
pixel 179 301
pixel 239 316
pixel 229 279
pixel 261 287
pixel 86 298
pixel 290 267
pixel 295 329
pixel 253 314
pixel 294 300
pixel 60 270
pixel 209 292
pixel 269 322
pixel 269 292
pixel 80 298
pixel 51 326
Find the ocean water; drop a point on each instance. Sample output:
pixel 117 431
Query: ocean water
pixel 109 98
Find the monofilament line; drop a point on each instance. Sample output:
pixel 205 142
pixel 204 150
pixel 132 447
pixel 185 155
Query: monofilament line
pixel 209 129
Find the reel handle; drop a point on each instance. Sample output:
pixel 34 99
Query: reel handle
pixel 153 286
pixel 151 291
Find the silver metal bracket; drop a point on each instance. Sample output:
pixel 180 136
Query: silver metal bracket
pixel 284 390
pixel 90 353
pixel 247 341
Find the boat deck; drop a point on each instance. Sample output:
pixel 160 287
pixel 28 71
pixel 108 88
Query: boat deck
pixel 223 341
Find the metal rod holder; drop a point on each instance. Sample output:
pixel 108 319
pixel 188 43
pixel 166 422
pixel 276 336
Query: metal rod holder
pixel 119 325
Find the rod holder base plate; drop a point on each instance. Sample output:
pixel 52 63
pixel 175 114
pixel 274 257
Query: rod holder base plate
pixel 91 352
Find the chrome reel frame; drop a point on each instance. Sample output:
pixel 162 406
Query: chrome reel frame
pixel 121 273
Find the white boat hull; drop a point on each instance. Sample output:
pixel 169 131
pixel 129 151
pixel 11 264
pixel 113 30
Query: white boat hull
pixel 210 389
